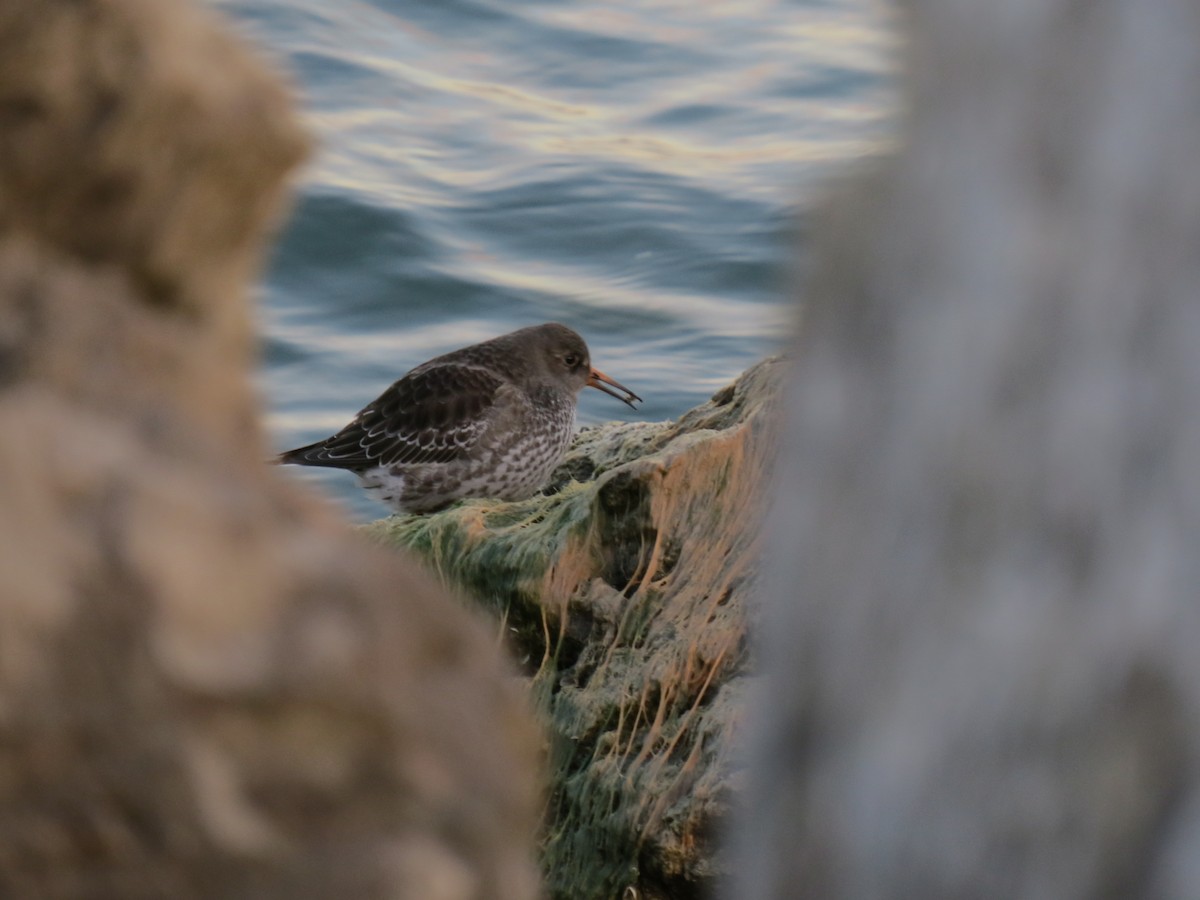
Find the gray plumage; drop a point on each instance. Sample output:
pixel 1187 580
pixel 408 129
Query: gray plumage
pixel 489 420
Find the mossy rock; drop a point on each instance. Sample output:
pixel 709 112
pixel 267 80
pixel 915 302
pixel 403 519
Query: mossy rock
pixel 623 593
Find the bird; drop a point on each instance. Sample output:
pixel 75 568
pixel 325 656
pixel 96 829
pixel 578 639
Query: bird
pixel 489 420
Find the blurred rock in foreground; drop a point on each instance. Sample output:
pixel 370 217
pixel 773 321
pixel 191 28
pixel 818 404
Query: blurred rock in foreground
pixel 986 591
pixel 208 688
pixel 626 594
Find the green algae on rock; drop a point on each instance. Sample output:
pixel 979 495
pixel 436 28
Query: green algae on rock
pixel 624 593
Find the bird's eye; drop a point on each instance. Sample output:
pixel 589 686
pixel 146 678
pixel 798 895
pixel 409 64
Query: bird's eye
pixel 572 360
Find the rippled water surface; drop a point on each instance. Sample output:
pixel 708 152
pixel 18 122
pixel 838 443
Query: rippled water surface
pixel 637 169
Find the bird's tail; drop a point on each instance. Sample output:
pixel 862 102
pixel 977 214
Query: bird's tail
pixel 337 452
pixel 308 455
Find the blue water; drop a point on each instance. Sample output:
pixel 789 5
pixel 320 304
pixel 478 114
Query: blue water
pixel 637 169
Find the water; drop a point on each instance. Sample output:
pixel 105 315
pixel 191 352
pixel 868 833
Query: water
pixel 637 169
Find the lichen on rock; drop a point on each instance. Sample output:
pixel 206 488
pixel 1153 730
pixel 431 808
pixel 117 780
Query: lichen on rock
pixel 624 592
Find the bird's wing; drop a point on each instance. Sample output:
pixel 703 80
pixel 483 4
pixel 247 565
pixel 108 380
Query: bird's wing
pixel 435 413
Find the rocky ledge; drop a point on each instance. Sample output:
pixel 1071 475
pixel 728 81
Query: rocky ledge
pixel 623 591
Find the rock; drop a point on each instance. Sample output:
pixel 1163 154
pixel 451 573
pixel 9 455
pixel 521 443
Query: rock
pixel 209 687
pixel 982 646
pixel 624 593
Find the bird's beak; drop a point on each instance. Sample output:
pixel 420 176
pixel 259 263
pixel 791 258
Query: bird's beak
pixel 599 380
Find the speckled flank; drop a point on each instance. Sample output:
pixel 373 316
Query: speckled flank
pixel 512 467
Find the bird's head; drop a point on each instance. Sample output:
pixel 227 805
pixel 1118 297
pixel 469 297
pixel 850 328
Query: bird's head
pixel 566 356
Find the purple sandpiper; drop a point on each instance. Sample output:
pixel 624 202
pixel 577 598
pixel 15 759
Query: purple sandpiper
pixel 489 420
